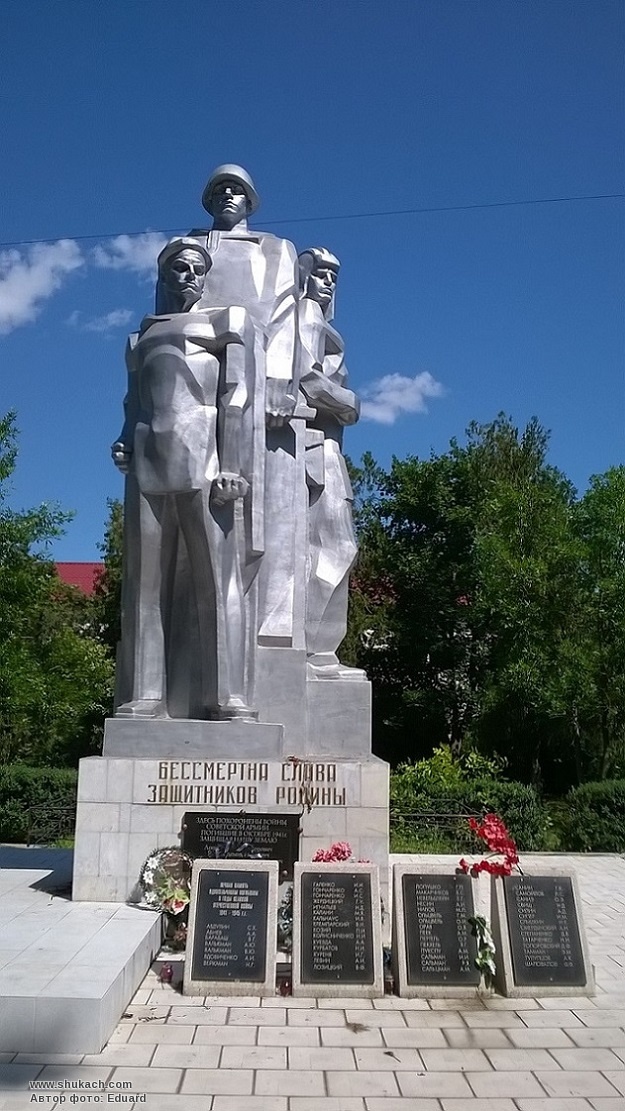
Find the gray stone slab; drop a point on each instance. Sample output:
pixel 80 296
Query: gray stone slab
pixel 282 701
pixel 338 988
pixel 231 908
pixel 158 738
pixel 339 717
pixel 374 776
pixel 506 981
pixel 76 968
pixel 92 786
pixel 481 906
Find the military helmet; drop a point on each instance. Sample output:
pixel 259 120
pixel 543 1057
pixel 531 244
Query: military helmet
pixel 184 243
pixel 230 172
pixel 311 259
pixel 322 257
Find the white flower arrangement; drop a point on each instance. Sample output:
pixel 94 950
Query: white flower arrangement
pixel 165 879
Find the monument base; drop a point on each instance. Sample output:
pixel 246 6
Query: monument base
pixel 128 807
pixel 339 717
pixel 324 717
pixel 170 738
pixel 319 715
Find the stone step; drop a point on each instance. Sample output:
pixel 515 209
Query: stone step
pixel 67 970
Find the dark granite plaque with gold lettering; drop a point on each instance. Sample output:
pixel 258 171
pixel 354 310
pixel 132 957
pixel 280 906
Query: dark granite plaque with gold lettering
pixel 439 946
pixel 230 936
pixel 543 928
pixel 336 928
pixel 257 836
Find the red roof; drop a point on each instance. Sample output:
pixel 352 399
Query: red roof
pixel 82 575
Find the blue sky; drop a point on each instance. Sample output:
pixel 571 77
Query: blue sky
pixel 115 113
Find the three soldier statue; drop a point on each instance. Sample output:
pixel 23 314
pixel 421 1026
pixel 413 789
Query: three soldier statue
pixel 237 398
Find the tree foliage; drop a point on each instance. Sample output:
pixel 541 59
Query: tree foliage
pixel 599 707
pixel 499 606
pixel 55 676
pixel 108 588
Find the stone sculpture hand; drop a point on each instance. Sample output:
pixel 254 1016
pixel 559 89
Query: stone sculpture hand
pixel 280 402
pixel 228 487
pixel 121 455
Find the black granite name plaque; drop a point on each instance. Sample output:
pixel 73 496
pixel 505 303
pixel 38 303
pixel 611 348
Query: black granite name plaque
pixel 543 927
pixel 270 836
pixel 230 935
pixel 336 928
pixel 439 945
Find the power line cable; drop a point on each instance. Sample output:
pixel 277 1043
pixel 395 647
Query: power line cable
pixel 343 216
pixel 448 208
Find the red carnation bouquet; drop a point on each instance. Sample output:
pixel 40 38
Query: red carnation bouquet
pixel 493 832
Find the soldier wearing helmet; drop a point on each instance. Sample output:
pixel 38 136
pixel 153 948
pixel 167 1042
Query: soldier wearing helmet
pixel 259 271
pixel 331 542
pixel 225 184
pixel 188 448
pixel 240 257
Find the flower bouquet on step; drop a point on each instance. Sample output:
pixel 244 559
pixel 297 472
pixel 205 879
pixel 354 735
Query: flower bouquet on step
pixel 165 881
pixel 503 857
pixel 338 853
pixel 493 832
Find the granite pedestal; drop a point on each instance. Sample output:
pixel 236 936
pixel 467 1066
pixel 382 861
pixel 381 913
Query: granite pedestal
pixel 128 807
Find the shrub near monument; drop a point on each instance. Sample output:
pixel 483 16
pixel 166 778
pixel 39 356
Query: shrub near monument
pixel 34 798
pixel 431 799
pixel 595 818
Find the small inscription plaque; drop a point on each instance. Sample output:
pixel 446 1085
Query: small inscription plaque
pixel 270 836
pixel 439 946
pixel 230 936
pixel 337 928
pixel 544 931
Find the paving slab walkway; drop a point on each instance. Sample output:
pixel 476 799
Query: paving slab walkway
pixel 171 1053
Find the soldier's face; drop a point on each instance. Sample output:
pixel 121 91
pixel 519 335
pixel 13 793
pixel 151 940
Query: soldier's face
pixel 322 284
pixel 228 203
pixel 185 273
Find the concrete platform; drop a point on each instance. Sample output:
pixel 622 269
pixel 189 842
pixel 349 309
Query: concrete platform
pixel 190 1053
pixel 67 970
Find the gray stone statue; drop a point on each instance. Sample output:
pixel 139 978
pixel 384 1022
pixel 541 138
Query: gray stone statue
pixel 238 506
pixel 332 544
pixel 238 541
pixel 259 271
pixel 189 448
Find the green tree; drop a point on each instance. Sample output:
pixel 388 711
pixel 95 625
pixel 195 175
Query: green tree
pixel 478 552
pixel 371 593
pixel 108 588
pixel 415 553
pixel 527 565
pixel 599 707
pixel 55 677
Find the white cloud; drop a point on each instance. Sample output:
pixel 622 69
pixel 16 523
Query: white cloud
pixel 137 253
pixel 28 278
pixel 385 399
pixel 117 318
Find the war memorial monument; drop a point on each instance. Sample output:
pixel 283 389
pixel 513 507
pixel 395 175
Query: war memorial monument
pixel 238 542
pixel 235 721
